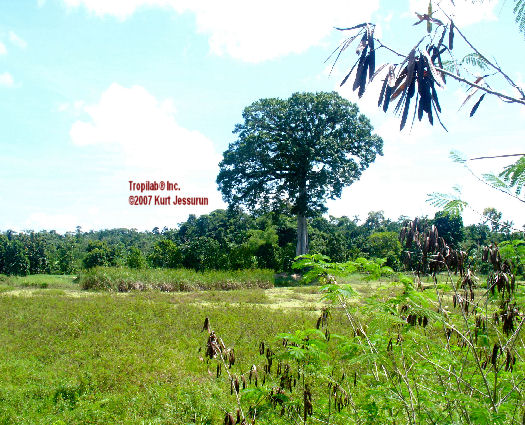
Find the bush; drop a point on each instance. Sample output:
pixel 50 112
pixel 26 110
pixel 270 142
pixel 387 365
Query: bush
pixel 124 279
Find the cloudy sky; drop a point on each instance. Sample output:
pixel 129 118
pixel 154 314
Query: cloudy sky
pixel 95 93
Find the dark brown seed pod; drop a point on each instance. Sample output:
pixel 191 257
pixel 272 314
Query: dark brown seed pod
pixel 206 326
pixel 231 357
pixel 228 419
pixel 451 36
pixel 494 357
pixel 236 384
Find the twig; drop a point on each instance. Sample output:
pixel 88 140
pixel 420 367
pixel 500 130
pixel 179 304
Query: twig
pixel 486 89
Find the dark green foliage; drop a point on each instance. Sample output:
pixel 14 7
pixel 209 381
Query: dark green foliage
pixel 165 254
pixel 204 253
pixel 15 259
pixel 99 254
pixel 135 259
pixel 227 240
pixel 450 228
pixel 294 154
pixel 385 245
pixel 313 142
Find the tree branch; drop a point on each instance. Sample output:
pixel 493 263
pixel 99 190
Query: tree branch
pixel 485 89
pixel 496 67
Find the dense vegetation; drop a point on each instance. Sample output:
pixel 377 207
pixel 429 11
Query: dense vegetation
pixel 232 240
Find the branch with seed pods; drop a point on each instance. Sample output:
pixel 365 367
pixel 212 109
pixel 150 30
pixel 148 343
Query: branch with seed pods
pixel 413 81
pixel 215 348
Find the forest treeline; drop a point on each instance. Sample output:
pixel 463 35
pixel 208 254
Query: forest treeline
pixel 231 240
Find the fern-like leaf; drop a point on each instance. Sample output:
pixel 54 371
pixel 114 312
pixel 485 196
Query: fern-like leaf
pixel 519 11
pixel 514 175
pixel 448 202
pixel 476 60
pixel 458 157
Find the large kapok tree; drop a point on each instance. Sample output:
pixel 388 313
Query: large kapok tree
pixel 296 154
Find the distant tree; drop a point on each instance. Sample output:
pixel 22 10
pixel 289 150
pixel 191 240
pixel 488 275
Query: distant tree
pixel 450 228
pixel 15 259
pixel 65 255
pixel 385 245
pixel 99 254
pixel 492 218
pixel 204 253
pixel 35 245
pixel 165 254
pixel 135 259
pixel 376 221
pixel 295 154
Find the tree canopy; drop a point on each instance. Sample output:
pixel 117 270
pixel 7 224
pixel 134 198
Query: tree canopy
pixel 295 154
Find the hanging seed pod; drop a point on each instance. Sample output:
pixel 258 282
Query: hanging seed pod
pixel 508 360
pixel 206 326
pixel 425 321
pixel 218 370
pixel 318 324
pixel 308 407
pixel 327 334
pixel 448 333
pixel 228 419
pixel 231 358
pixel 261 348
pixel 494 357
pixel 243 379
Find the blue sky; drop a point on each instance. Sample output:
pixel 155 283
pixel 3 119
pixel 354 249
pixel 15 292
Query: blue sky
pixel 95 93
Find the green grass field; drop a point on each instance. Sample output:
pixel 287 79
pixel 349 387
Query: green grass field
pixel 72 356
pixel 82 357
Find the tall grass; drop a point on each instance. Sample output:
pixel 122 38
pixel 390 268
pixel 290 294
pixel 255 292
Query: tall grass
pixel 124 279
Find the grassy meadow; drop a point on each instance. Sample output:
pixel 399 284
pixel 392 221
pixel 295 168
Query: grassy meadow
pixel 82 357
pixel 75 356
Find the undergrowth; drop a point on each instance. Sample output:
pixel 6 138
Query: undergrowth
pixel 124 279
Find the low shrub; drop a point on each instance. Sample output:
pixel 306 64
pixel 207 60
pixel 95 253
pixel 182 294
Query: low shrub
pixel 123 279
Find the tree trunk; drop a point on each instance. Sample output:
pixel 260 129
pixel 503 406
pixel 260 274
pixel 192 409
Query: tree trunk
pixel 302 235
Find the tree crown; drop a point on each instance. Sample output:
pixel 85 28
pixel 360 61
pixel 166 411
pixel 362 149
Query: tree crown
pixel 297 153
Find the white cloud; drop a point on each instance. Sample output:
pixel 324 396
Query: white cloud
pixel 463 12
pixel 251 31
pixel 145 130
pixel 16 40
pixel 140 140
pixel 3 49
pixel 6 80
